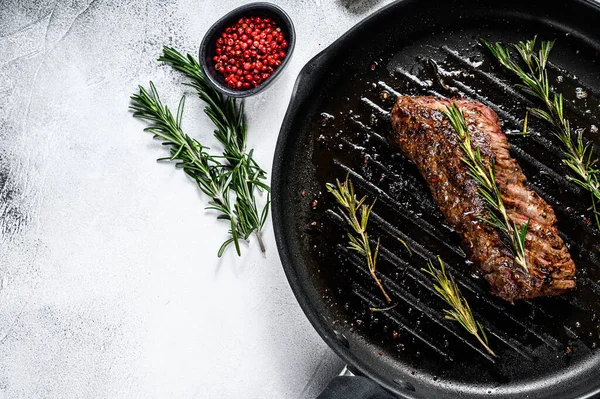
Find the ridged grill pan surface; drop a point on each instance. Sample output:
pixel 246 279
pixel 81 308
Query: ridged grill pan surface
pixel 337 124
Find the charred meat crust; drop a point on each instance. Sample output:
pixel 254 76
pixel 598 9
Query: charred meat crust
pixel 426 137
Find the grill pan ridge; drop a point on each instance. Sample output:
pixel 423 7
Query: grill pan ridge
pixel 337 123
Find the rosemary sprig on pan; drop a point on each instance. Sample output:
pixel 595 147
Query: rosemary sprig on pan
pixel 357 215
pixel 461 311
pixel 579 158
pixel 488 187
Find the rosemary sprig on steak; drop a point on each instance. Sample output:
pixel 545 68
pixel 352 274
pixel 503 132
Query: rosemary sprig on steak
pixel 461 311
pixel 579 158
pixel 488 188
pixel 357 215
pixel 427 138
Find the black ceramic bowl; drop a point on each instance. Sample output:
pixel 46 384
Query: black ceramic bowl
pixel 207 48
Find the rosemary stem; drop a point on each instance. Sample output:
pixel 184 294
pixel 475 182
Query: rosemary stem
pixel 261 244
pixel 387 297
pixel 490 351
pixel 371 261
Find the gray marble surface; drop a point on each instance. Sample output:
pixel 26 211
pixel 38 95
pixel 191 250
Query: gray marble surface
pixel 109 282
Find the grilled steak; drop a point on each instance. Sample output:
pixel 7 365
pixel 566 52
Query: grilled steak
pixel 427 138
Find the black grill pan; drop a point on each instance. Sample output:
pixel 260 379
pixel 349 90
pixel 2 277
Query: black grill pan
pixel 337 123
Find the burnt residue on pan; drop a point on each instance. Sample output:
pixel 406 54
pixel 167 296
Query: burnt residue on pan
pixel 534 339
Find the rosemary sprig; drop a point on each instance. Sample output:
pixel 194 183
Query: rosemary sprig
pixel 208 172
pixel 578 157
pixel 224 112
pixel 488 187
pixel 231 131
pixel 357 215
pixel 445 286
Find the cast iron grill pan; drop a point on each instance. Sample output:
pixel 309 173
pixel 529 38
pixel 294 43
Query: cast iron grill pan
pixel 337 124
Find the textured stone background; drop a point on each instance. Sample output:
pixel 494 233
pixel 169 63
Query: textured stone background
pixel 109 282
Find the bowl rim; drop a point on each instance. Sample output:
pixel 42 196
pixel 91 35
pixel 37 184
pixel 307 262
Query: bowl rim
pixel 234 14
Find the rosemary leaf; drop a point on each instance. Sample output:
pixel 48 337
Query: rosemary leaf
pixel 356 213
pixel 488 188
pixel 410 253
pixel 579 157
pixel 525 132
pixel 460 310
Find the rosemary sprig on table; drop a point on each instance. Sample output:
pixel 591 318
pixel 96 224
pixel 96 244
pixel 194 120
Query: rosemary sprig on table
pixel 240 171
pixel 231 131
pixel 190 155
pixel 213 177
pixel 488 187
pixel 223 111
pixel 461 311
pixel 579 158
pixel 357 215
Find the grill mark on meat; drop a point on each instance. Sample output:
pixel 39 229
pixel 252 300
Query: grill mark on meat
pixel 426 137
